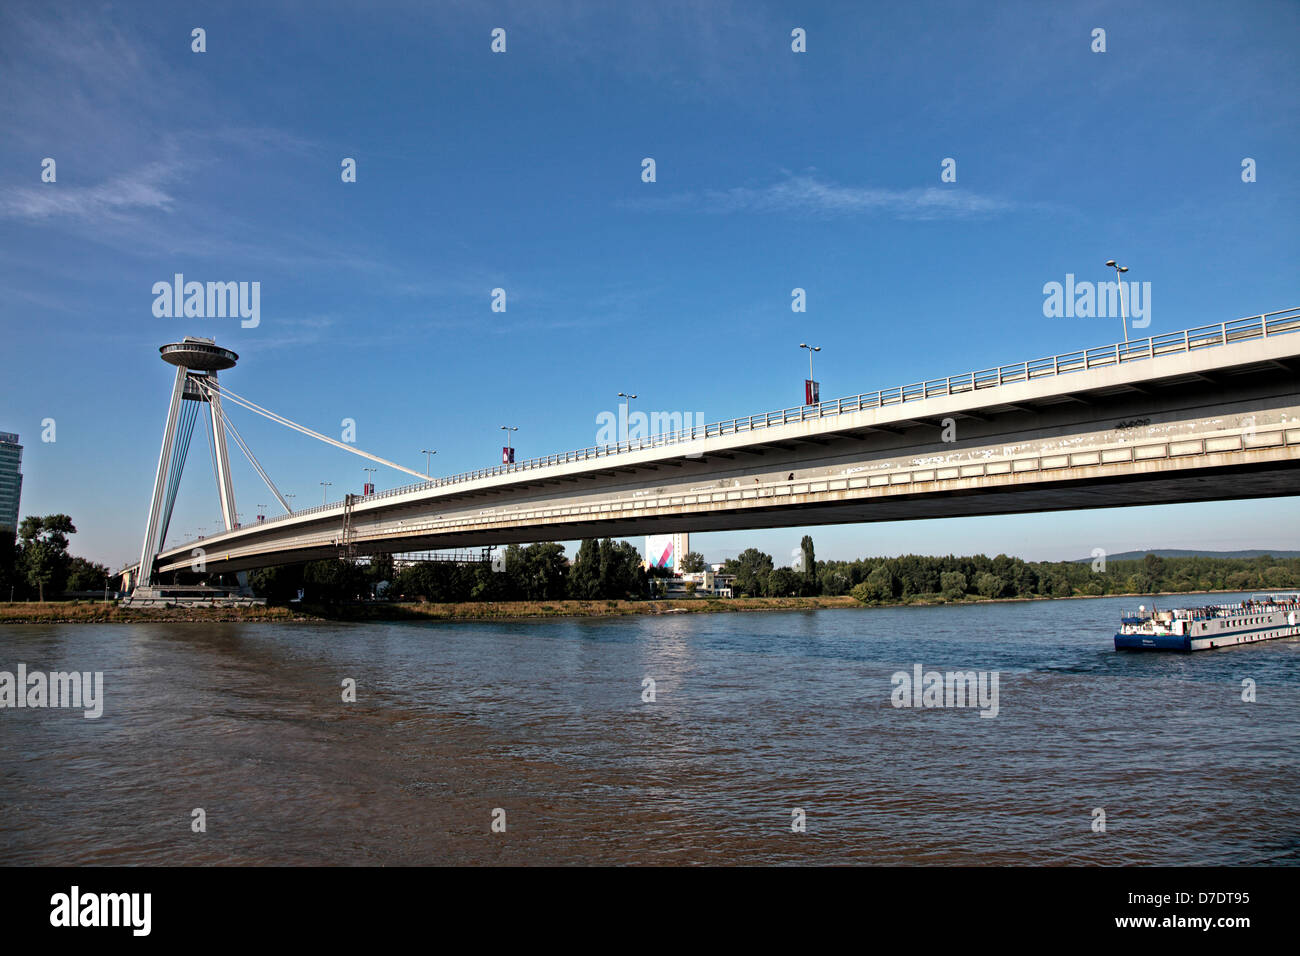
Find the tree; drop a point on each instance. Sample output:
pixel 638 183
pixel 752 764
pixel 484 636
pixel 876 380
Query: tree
pixel 692 562
pixel 783 582
pixel 333 581
pixel 538 572
pixel 86 575
pixel 953 585
pixel 621 574
pixel 1139 582
pixel 278 584
pixel 751 569
pixel 381 568
pixel 808 586
pixel 44 559
pixel 880 585
pixel 1278 577
pixel 606 569
pixel 584 576
pixel 1057 586
pixel 833 580
pixel 990 585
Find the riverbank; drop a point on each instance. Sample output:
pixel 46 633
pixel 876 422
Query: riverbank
pixel 71 612
pixel 95 612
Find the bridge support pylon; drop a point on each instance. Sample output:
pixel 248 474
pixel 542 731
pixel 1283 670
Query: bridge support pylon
pixel 197 360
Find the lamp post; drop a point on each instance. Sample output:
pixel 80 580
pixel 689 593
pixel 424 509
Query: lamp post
pixel 507 454
pixel 811 349
pixel 261 512
pixel 324 490
pixel 371 482
pixel 290 497
pixel 1119 280
pixel 811 393
pixel 627 432
pixel 427 453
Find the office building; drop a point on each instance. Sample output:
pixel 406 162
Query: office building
pixel 11 482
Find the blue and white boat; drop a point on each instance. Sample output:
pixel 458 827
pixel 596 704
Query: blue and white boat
pixel 1263 617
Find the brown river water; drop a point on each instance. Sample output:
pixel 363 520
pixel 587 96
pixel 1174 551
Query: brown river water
pixel 754 715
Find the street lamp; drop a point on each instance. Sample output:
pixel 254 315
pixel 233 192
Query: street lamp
pixel 372 477
pixel 261 512
pixel 811 391
pixel 290 497
pixel 811 349
pixel 1119 280
pixel 507 456
pixel 627 428
pixel 324 490
pixel 427 452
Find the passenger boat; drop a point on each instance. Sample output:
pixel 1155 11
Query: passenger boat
pixel 1261 618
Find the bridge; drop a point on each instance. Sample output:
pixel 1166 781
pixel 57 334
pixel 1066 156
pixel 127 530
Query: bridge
pixel 1204 414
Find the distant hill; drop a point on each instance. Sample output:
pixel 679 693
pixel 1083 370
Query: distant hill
pixel 1173 553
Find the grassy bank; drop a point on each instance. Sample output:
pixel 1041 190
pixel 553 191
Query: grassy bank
pixel 55 612
pixel 71 612
pixel 95 612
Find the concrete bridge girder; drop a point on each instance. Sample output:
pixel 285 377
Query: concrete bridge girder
pixel 1104 411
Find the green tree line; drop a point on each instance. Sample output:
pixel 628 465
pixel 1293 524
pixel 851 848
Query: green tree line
pixel 540 572
pixel 606 569
pixel 37 565
pixel 951 578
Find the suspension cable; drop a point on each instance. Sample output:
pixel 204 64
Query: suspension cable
pixel 252 460
pixel 281 420
pixel 184 433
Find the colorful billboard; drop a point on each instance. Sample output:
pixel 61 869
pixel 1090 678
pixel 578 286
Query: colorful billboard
pixel 659 551
pixel 666 550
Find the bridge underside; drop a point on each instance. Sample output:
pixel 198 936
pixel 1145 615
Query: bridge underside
pixel 1264 481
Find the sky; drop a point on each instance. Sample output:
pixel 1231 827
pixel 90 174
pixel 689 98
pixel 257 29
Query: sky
pixel 522 170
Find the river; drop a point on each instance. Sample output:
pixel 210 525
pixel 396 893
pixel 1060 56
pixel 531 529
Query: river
pixel 543 724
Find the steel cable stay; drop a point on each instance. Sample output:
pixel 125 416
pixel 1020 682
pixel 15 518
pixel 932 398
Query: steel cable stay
pixel 212 449
pixel 228 395
pixel 185 432
pixel 281 420
pixel 252 460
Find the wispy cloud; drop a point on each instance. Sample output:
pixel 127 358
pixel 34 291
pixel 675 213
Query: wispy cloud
pixel 115 198
pixel 808 195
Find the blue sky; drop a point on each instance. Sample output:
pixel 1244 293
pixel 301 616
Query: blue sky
pixel 522 170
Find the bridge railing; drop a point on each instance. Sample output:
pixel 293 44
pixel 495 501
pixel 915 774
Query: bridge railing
pixel 1121 353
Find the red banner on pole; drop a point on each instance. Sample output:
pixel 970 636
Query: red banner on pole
pixel 507 456
pixel 811 392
